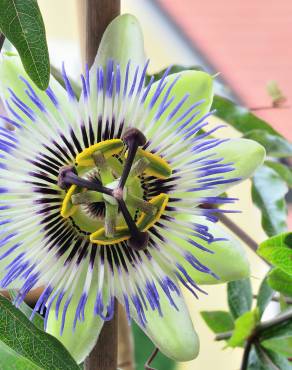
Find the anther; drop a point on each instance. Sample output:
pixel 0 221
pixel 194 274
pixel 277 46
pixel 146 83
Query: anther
pixel 99 159
pixel 133 135
pixel 133 138
pixel 139 239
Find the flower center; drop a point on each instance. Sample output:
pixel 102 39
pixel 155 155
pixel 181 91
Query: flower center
pixel 104 194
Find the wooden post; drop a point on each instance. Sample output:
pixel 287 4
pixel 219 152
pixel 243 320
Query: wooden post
pixel 99 13
pixel 104 355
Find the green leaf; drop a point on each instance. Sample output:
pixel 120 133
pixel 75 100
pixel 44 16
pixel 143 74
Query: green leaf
pixel 21 22
pixel 218 321
pixel 275 145
pixel 282 346
pixel 283 171
pixel 239 117
pixel 254 362
pixel 268 192
pixel 278 251
pixel 275 93
pixel 273 361
pixel 280 281
pixel 262 359
pixel 57 74
pixel 244 327
pixel 37 319
pixel 264 296
pixel 283 240
pixel 143 349
pixel 282 329
pixel 17 332
pixel 11 360
pixel 239 297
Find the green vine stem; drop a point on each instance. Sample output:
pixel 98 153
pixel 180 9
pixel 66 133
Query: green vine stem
pixel 261 327
pixel 239 232
pixel 247 349
pixel 2 39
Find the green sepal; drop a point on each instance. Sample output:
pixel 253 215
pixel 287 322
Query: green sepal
pixel 173 333
pixel 228 260
pixel 198 85
pixel 10 71
pixel 245 155
pixel 122 42
pixel 79 341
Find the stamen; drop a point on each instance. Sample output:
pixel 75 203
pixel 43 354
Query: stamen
pixel 141 204
pixel 87 197
pixel 139 167
pixel 139 239
pixel 133 138
pixel 111 212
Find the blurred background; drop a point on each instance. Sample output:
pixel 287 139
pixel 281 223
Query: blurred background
pixel 248 43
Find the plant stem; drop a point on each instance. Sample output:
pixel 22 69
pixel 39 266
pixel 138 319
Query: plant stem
pixel 285 316
pixel 223 336
pixel 2 39
pixel 99 13
pixel 150 359
pixel 246 353
pixel 253 109
pixel 239 232
pixel 105 353
pixel 125 342
pixel 277 299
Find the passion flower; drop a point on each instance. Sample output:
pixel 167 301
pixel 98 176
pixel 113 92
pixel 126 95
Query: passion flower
pixel 104 197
